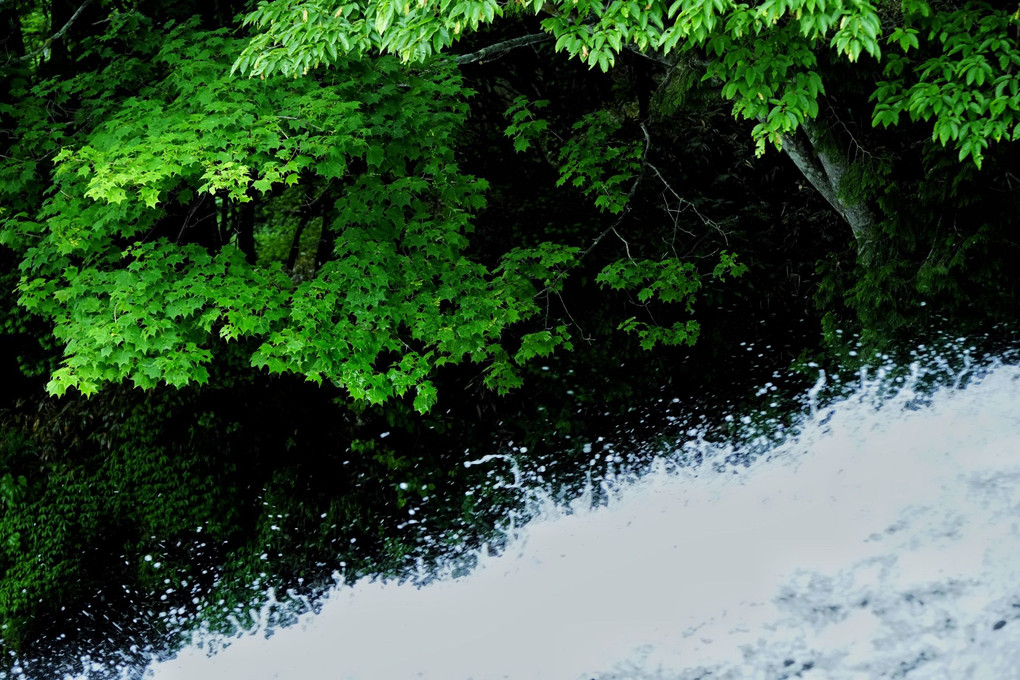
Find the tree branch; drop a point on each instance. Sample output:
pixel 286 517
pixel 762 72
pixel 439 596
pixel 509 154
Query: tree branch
pixel 497 50
pixel 653 56
pixel 59 34
pixel 803 156
pixel 825 170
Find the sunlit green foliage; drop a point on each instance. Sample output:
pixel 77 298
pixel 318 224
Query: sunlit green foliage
pixel 949 64
pixel 134 258
pixel 962 77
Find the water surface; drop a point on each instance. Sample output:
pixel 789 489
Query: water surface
pixel 880 541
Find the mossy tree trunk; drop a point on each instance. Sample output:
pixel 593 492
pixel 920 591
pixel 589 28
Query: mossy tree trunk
pixel 825 166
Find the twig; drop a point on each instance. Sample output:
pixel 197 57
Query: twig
pixel 626 246
pixel 689 204
pixel 563 303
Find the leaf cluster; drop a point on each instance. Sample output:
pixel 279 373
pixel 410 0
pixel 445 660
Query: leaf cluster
pixel 763 55
pixel 963 78
pixel 130 254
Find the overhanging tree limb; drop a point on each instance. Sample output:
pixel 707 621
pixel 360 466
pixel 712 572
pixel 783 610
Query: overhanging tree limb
pixel 497 50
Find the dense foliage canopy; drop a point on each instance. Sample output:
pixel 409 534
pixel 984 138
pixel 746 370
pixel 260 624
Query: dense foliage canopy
pixel 144 222
pixel 146 245
pixel 768 57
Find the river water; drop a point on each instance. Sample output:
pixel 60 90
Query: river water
pixel 878 538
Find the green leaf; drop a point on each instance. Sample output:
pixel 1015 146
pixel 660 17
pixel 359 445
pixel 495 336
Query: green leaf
pixel 425 397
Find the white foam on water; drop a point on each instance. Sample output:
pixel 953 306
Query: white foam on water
pixel 881 542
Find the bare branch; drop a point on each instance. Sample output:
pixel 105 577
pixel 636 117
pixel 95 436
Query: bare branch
pixel 497 50
pixel 59 34
pixel 685 204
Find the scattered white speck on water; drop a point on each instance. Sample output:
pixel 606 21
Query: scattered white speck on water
pixel 879 542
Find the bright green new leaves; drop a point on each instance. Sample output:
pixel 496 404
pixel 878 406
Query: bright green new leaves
pixel 763 55
pixel 297 36
pixel 216 134
pixel 142 252
pixel 386 311
pixel 772 81
pixel 964 78
pixel 150 320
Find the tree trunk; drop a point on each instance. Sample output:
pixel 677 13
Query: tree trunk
pixel 825 169
pixel 246 231
pixel 327 240
pixel 295 243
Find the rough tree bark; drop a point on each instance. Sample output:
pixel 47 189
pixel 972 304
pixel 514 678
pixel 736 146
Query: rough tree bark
pixel 825 169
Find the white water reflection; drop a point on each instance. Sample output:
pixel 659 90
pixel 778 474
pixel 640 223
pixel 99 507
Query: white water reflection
pixel 882 542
